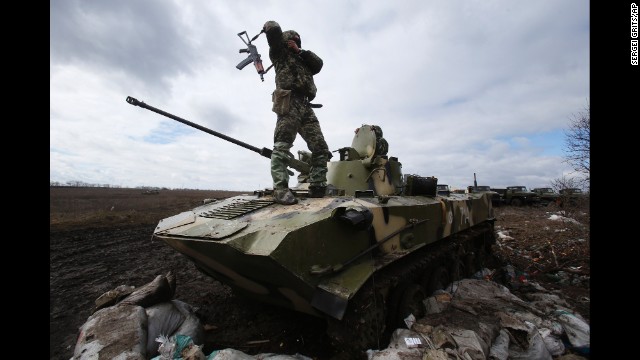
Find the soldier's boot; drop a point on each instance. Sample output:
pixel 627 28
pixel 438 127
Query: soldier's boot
pixel 284 197
pixel 316 191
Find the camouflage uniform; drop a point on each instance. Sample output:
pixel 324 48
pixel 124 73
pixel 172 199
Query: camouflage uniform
pixel 295 72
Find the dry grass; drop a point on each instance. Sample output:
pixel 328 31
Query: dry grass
pixel 98 207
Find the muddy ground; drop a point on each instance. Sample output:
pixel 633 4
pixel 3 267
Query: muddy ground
pixel 100 238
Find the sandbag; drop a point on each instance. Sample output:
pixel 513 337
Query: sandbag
pixel 577 330
pixel 553 343
pixel 112 297
pixel 533 349
pixel 162 319
pixel 468 342
pixel 191 326
pixel 118 331
pixel 161 289
pixel 500 347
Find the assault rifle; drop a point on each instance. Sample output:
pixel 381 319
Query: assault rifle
pixel 254 56
pixel 293 163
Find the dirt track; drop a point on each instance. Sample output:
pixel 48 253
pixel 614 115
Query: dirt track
pixel 90 256
pixel 88 262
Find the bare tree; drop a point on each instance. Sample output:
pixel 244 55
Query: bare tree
pixel 565 183
pixel 568 200
pixel 578 142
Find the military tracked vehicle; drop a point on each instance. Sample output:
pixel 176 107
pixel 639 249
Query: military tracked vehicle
pixel 363 257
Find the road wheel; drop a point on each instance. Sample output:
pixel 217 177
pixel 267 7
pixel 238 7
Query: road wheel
pixel 481 256
pixel 516 202
pixel 476 260
pixel 393 307
pixel 470 266
pixel 411 302
pixel 438 279
pixel 363 325
pixel 458 270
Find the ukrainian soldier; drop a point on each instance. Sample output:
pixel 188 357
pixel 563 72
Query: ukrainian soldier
pixel 295 89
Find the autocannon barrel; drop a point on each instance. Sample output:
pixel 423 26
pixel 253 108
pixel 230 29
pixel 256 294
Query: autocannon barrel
pixel 295 164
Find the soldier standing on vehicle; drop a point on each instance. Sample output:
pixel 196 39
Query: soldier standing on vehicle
pixel 295 88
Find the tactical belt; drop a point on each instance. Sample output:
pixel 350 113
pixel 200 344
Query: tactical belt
pixel 304 98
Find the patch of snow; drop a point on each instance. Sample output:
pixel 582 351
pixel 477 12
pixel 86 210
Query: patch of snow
pixel 504 236
pixel 562 218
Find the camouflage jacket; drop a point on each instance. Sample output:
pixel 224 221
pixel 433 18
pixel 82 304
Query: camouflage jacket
pixel 293 71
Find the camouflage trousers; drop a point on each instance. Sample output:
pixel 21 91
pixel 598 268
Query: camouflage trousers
pixel 299 120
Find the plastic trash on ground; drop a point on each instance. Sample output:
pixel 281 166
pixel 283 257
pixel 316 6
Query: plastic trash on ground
pixel 178 347
pixel 577 330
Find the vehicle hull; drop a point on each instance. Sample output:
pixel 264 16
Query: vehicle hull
pixel 308 257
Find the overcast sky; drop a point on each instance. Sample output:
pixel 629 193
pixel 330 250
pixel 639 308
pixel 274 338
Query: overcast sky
pixel 458 86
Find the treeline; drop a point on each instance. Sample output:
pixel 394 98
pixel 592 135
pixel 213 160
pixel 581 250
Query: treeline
pixel 75 183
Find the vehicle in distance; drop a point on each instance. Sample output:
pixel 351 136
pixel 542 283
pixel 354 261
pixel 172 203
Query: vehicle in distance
pixel 547 195
pixel 443 190
pixel 517 196
pixel 571 196
pixel 496 198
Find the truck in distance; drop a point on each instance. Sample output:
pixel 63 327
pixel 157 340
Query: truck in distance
pixel 547 195
pixel 496 198
pixel 517 196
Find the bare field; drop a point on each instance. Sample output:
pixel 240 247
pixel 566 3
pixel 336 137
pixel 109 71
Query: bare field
pixel 100 238
pixel 99 207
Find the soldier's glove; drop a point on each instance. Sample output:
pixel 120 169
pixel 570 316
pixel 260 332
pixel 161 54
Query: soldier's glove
pixel 293 46
pixel 268 25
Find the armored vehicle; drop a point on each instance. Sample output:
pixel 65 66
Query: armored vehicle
pixel 547 195
pixel 496 198
pixel 363 257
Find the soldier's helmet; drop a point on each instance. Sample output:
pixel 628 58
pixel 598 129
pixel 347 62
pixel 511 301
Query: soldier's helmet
pixel 382 146
pixel 292 35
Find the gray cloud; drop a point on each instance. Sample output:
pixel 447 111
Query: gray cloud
pixel 142 38
pixel 458 87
